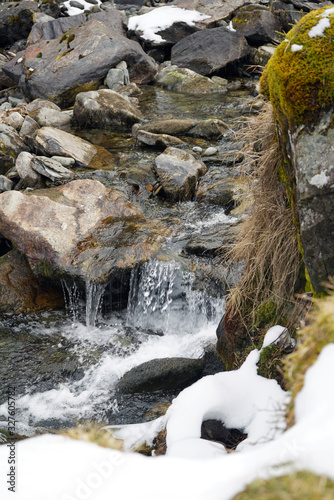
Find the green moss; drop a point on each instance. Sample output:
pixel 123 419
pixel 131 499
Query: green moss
pixel 63 54
pixel 39 55
pixel 265 314
pixel 63 38
pixel 67 96
pixel 271 363
pixel 300 84
pixel 70 39
pixel 298 486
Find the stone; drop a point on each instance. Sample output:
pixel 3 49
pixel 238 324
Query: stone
pixel 216 187
pixel 20 291
pixel 258 25
pixel 52 169
pixel 161 374
pixel 209 129
pixel 11 145
pixel 55 142
pixel 186 81
pixel 5 81
pixel 79 230
pixel 157 140
pixel 117 78
pixel 263 54
pixel 217 11
pixel 178 173
pixel 16 21
pixel 28 129
pixel 105 109
pixel 210 151
pixel 287 14
pixel 37 104
pixel 5 184
pixel 66 162
pixel 46 117
pixel 209 51
pixel 14 120
pixel 29 177
pixel 207 243
pixel 80 59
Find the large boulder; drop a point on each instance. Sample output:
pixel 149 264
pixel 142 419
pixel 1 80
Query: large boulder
pixel 16 21
pixel 79 230
pixel 161 374
pixel 59 69
pixel 258 25
pixel 105 109
pixel 178 173
pixel 186 81
pixel 209 51
pixel 21 291
pixel 51 141
pixel 302 94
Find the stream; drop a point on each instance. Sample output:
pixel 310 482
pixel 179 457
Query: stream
pixel 65 363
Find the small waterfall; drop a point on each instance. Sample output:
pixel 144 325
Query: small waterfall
pixel 72 298
pixel 162 297
pixel 94 294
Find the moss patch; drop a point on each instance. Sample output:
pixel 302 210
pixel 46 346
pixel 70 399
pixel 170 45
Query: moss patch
pixel 300 84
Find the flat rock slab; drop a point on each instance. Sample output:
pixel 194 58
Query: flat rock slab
pixel 59 69
pixel 209 129
pixel 54 142
pixel 209 51
pixel 186 81
pixel 178 173
pixel 105 109
pixel 161 374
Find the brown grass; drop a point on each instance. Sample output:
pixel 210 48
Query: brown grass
pixel 267 241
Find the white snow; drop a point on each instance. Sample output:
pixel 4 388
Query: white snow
pixel 230 27
pixel 73 11
pixel 53 467
pixel 324 23
pixel 272 335
pixel 161 18
pixel 320 180
pixel 296 48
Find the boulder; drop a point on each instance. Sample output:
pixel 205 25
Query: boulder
pixel 80 230
pixel 302 97
pixel 216 187
pixel 157 140
pixel 161 374
pixel 5 81
pixel 51 169
pixel 258 25
pixel 46 117
pixel 5 184
pixel 105 109
pixel 38 104
pixel 21 291
pixel 209 51
pixel 54 142
pixel 209 129
pixel 59 69
pixel 178 173
pixel 11 145
pixel 28 176
pixel 186 81
pixel 287 14
pixel 118 77
pixel 16 21
pixel 14 120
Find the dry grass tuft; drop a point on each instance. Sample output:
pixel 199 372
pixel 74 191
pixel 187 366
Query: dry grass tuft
pixel 267 242
pixel 94 433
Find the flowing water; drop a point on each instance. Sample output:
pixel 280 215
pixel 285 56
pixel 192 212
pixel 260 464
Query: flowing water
pixel 65 364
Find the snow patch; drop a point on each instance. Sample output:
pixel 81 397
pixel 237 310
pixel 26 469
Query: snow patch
pixel 73 11
pixel 295 47
pixel 161 18
pixel 320 180
pixel 319 29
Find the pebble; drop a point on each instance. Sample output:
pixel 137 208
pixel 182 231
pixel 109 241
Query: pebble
pixel 210 151
pixel 197 149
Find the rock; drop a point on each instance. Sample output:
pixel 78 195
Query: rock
pixel 66 162
pixel 178 173
pixel 209 129
pixel 216 187
pixel 29 177
pixel 38 104
pixel 161 374
pixel 210 151
pixel 157 140
pixel 302 97
pixel 5 81
pixel 14 120
pixel 209 51
pixel 216 10
pixel 207 243
pixel 286 13
pixel 20 291
pixel 263 54
pixel 80 230
pixel 11 145
pixel 52 169
pixel 117 78
pixel 258 25
pixel 54 142
pixel 214 430
pixel 212 362
pixel 105 109
pixel 5 184
pixel 80 59
pixel 16 20
pixel 28 129
pixel 46 117
pixel 186 81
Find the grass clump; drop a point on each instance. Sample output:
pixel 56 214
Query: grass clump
pixel 297 486
pixel 94 433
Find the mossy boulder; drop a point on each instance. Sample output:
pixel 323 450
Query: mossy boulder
pixel 16 21
pixel 257 24
pixel 186 81
pixel 299 81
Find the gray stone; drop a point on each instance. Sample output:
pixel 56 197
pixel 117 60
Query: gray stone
pixel 287 14
pixel 209 129
pixel 216 187
pixel 117 78
pixel 28 129
pixel 66 162
pixel 14 120
pixel 5 81
pixel 209 51
pixel 76 4
pixel 16 21
pixel 258 25
pixel 29 177
pixel 210 151
pixel 161 374
pixel 15 101
pixel 5 106
pixel 157 140
pixel 46 117
pixel 5 184
pixel 217 11
pixel 178 173
pixel 37 104
pixel 55 142
pixel 11 145
pixel 51 169
pixel 105 109
pixel 186 81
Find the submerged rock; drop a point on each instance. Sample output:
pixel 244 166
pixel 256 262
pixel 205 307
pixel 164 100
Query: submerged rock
pixel 178 173
pixel 105 109
pixel 157 140
pixel 161 374
pixel 209 129
pixel 186 81
pixel 209 51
